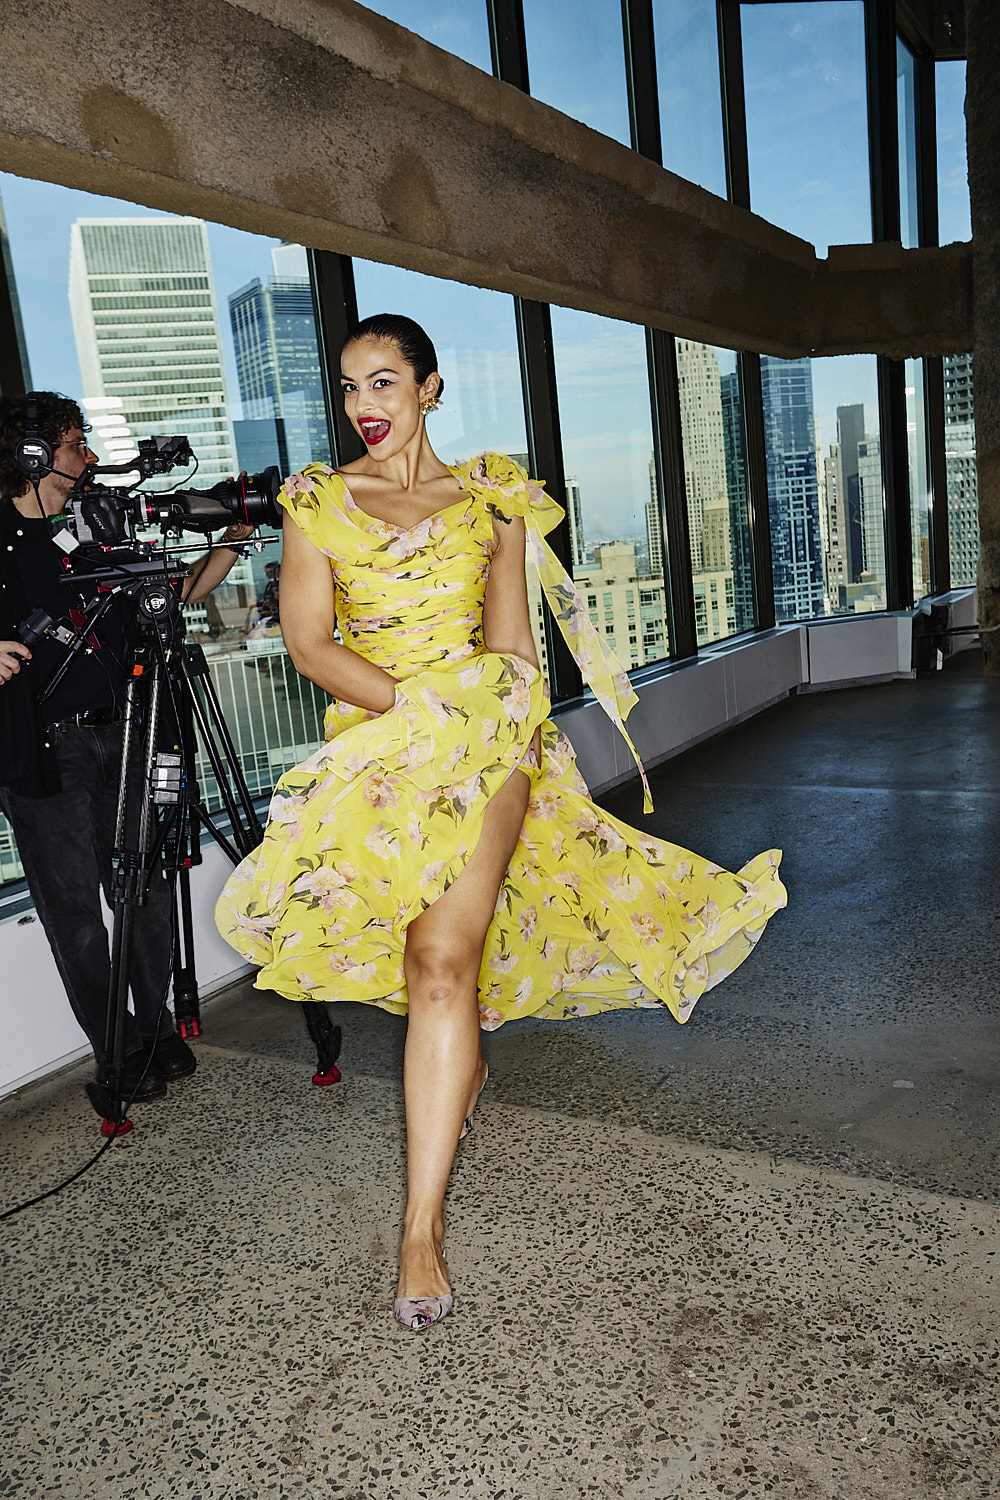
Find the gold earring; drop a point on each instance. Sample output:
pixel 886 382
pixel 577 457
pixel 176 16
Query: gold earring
pixel 429 404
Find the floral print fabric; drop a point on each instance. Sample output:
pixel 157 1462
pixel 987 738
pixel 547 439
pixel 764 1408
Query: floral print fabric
pixel 372 828
pixel 517 495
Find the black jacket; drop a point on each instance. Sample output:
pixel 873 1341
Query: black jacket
pixel 27 765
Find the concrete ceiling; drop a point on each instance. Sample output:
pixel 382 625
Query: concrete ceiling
pixel 318 121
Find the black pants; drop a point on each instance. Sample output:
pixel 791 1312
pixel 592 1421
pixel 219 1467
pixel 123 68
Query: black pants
pixel 65 843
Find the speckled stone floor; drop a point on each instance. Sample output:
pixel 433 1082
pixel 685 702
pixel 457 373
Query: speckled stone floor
pixel 753 1256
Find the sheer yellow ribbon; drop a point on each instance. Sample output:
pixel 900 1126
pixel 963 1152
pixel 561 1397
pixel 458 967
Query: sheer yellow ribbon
pixel 509 489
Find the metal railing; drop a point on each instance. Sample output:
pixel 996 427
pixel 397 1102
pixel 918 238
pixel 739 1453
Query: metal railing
pixel 275 718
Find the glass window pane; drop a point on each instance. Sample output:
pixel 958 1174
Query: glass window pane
pixel 711 410
pixel 919 474
pixel 612 500
pixel 161 325
pixel 792 488
pixel 458 26
pixel 952 161
pixel 825 497
pixel 690 91
pixel 959 424
pixel 906 113
pixel 960 460
pixel 849 481
pixel 577 63
pixel 807 118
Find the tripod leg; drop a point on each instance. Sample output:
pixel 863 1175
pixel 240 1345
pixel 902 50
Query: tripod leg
pixel 326 1039
pixel 246 826
pixel 128 891
pixel 187 1006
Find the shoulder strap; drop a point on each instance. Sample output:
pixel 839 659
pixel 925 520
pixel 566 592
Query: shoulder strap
pixel 507 487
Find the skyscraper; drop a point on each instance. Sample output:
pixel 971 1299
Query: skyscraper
pixel 835 566
pixel 872 517
pixel 851 432
pixel 960 460
pixel 574 514
pixel 699 387
pixel 739 510
pixel 703 441
pixel 277 363
pixel 654 525
pixel 15 306
pixel 147 332
pixel 792 487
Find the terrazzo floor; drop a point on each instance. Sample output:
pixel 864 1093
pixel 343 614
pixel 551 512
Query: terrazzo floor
pixel 756 1255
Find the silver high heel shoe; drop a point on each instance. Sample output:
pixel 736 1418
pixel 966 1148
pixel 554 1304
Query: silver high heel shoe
pixel 470 1120
pixel 418 1313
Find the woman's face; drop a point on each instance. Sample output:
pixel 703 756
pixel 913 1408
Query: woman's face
pixel 381 395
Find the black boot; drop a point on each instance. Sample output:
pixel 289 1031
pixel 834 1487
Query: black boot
pixel 139 1082
pixel 173 1058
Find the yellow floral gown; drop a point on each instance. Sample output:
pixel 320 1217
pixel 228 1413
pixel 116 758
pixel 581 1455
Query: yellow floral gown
pixel 372 828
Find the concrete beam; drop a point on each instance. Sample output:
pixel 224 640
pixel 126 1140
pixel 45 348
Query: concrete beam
pixel 317 121
pixel 940 24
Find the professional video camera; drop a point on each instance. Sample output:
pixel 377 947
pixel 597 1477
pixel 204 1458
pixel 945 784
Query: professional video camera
pixel 111 516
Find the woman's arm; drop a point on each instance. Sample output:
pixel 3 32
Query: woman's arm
pixel 308 618
pixel 506 621
pixel 506 616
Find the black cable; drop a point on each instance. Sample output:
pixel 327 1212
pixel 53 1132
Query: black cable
pixel 51 1192
pixel 18 1208
pixel 185 479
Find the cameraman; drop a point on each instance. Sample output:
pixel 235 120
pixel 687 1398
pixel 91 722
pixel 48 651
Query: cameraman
pixel 60 761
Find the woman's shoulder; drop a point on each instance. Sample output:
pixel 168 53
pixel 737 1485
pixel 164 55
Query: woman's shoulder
pixel 496 472
pixel 508 490
pixel 303 493
pixel 499 481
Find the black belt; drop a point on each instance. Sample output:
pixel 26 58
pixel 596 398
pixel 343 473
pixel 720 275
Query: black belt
pixel 93 718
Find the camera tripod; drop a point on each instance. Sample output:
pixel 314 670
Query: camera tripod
pixel 198 704
pixel 159 817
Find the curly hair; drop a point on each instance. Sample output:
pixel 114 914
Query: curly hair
pixel 56 414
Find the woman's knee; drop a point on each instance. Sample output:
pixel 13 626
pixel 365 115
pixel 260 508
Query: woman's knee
pixel 441 972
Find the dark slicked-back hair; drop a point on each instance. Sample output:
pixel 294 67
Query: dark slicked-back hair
pixel 409 338
pixel 55 415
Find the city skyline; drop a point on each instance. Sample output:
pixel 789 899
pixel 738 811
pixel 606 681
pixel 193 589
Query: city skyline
pixel 39 224
pixel 593 355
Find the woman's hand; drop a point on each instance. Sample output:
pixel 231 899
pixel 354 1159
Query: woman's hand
pixel 11 655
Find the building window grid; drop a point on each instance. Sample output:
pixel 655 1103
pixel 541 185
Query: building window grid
pixel 122 299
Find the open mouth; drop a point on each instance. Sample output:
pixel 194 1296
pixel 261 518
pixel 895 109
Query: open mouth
pixel 373 432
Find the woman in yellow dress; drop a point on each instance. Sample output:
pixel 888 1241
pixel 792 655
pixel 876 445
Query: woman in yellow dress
pixel 440 856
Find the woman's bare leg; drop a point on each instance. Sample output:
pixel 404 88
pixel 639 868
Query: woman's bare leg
pixel 443 1066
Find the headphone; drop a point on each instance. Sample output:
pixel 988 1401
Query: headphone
pixel 33 455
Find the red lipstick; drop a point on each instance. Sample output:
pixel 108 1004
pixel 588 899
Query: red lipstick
pixel 373 432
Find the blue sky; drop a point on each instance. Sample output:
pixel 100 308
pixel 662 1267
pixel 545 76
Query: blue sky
pixel 809 172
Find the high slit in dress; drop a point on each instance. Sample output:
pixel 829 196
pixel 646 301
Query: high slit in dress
pixel 365 834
